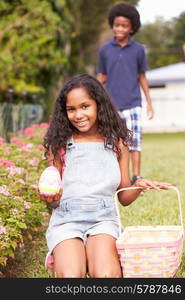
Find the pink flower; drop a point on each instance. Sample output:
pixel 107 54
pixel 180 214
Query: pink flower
pixel 40 147
pixel 2 230
pixel 27 205
pixel 44 213
pixel 29 145
pixel 14 170
pixel 29 132
pixel 26 147
pixel 6 149
pixel 34 162
pixel 20 181
pixel 34 187
pixel 4 190
pixel 4 161
pixel 20 131
pixel 45 125
pixel 17 141
pixel 14 211
pixel 22 246
pixel 1 140
pixel 16 197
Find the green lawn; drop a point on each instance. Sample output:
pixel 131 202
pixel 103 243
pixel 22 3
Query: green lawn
pixel 163 158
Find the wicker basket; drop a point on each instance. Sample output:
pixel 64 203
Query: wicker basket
pixel 150 251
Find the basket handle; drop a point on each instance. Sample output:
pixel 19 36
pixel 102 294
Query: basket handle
pixel 137 187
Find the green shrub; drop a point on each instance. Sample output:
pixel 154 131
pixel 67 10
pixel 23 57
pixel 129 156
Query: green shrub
pixel 21 210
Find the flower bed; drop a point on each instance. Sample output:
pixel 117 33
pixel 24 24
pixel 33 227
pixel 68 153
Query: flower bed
pixel 21 210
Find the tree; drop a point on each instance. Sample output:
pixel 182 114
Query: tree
pixel 32 39
pixel 159 40
pixel 179 35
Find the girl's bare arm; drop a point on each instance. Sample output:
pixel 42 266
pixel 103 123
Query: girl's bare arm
pixel 127 197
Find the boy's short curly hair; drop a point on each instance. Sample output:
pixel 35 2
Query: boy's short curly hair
pixel 128 11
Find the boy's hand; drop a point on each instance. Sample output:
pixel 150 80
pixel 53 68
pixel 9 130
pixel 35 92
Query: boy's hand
pixel 150 111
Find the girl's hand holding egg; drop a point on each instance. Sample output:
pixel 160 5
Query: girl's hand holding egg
pixel 50 186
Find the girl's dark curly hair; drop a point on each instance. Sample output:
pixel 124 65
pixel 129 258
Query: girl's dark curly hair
pixel 128 11
pixel 110 125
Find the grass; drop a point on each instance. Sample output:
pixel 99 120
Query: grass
pixel 163 157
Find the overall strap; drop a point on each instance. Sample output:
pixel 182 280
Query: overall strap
pixel 63 156
pixel 70 144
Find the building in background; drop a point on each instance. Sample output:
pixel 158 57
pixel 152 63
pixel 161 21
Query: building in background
pixel 167 90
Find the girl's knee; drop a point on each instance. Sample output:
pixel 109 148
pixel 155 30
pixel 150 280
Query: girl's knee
pixel 106 273
pixel 69 275
pixel 58 273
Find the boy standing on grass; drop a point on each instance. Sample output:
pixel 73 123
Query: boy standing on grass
pixel 121 66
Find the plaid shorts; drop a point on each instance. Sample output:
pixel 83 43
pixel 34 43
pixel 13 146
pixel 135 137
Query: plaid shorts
pixel 133 120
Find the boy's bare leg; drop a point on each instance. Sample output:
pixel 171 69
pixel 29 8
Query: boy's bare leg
pixel 136 162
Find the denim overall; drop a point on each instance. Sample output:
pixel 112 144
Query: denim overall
pixel 90 179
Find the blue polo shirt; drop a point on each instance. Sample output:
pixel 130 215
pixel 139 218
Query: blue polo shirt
pixel 122 66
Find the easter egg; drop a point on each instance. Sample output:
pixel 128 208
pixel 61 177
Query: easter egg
pixel 50 181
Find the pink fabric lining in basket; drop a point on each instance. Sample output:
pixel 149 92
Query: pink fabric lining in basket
pixel 150 251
